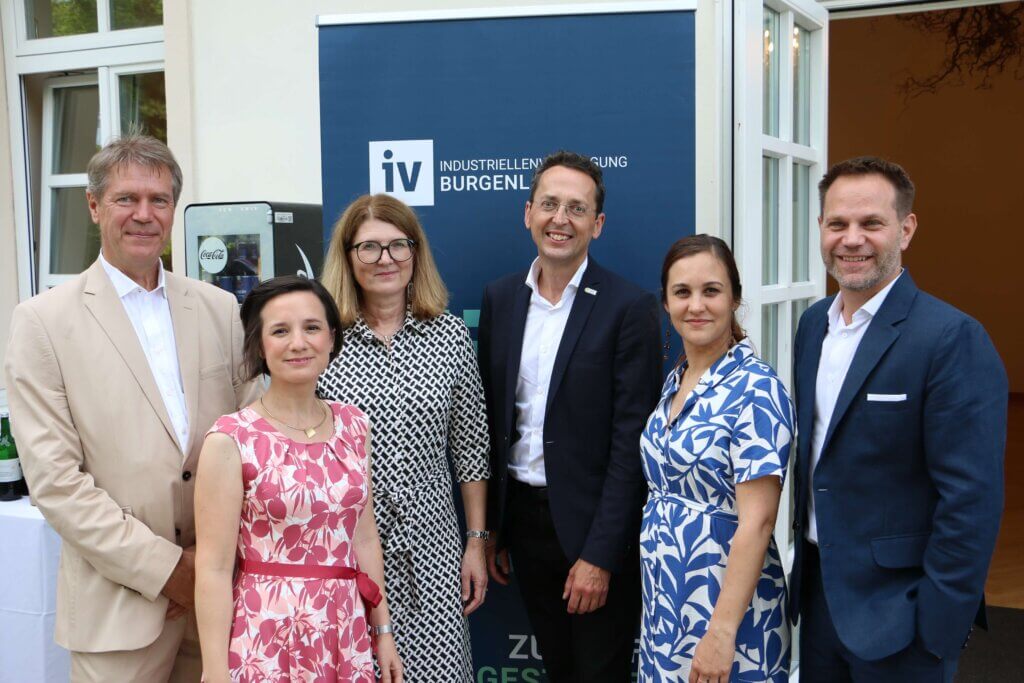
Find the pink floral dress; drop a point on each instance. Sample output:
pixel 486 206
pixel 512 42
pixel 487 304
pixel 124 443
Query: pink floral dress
pixel 300 506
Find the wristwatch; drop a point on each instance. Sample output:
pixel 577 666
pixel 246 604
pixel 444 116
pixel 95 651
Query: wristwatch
pixel 382 629
pixel 476 533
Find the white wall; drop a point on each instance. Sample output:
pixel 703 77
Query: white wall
pixel 246 125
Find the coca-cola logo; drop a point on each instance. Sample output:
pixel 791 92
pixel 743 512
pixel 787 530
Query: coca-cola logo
pixel 213 255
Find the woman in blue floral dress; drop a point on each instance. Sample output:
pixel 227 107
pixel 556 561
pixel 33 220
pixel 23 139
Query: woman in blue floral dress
pixel 714 453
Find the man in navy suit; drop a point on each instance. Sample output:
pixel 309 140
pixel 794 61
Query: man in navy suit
pixel 571 366
pixel 901 402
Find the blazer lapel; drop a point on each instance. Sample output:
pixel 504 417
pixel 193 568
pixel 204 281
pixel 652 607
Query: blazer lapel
pixel 184 318
pixel 586 295
pixel 880 335
pixel 807 381
pixel 517 327
pixel 101 299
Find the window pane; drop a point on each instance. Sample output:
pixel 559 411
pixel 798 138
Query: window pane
pixel 143 104
pixel 136 13
pixel 770 221
pixel 76 122
pixel 771 73
pixel 801 222
pixel 53 18
pixel 801 85
pixel 74 238
pixel 798 308
pixel 770 334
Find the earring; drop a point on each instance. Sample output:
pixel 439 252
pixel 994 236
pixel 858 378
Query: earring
pixel 665 346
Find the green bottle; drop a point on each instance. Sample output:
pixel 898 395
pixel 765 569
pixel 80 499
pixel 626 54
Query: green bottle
pixel 11 480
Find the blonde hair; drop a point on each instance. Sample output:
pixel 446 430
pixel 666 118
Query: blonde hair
pixel 429 296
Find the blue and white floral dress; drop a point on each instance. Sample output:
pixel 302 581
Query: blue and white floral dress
pixel 736 425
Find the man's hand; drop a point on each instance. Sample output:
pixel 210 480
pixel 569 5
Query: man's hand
pixel 497 561
pixel 181 584
pixel 586 587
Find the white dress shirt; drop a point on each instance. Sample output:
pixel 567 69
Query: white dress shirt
pixel 837 351
pixel 150 314
pixel 545 323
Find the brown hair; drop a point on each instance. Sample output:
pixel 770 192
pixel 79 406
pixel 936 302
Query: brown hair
pixel 253 362
pixel 577 162
pixel 429 296
pixel 132 148
pixel 698 244
pixel 869 165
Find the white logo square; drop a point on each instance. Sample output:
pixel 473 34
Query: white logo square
pixel 403 169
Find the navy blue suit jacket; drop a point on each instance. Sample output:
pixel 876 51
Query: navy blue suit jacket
pixel 604 384
pixel 908 494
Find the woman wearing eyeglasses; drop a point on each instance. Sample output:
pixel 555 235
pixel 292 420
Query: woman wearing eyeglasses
pixel 412 368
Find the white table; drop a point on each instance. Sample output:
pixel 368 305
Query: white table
pixel 29 555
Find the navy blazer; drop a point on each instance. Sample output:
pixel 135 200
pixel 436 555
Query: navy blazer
pixel 604 384
pixel 908 493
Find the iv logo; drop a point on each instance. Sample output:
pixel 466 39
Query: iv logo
pixel 403 169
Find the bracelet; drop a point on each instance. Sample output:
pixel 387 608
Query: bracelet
pixel 476 533
pixel 382 629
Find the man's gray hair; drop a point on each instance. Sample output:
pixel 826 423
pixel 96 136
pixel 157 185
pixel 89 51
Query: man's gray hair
pixel 132 148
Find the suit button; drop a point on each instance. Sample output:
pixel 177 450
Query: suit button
pixel 186 475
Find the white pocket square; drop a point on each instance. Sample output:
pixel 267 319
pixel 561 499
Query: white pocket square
pixel 887 398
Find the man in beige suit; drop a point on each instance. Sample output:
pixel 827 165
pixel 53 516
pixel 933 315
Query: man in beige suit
pixel 113 379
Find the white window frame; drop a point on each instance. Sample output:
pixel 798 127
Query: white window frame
pixel 137 50
pixel 114 74
pixel 104 37
pixel 50 181
pixel 750 145
pixel 109 126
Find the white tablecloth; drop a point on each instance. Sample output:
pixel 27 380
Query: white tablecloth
pixel 29 555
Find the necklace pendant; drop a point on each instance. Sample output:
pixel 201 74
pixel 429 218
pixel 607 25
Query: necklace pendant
pixel 310 431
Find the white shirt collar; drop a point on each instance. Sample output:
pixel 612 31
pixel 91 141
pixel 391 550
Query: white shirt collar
pixel 869 309
pixel 124 285
pixel 531 276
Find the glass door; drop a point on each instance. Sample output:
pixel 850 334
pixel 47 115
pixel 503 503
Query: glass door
pixel 779 132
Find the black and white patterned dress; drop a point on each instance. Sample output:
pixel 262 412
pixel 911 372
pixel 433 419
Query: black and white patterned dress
pixel 424 399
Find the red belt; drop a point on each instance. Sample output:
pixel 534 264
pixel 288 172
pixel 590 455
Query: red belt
pixel 368 588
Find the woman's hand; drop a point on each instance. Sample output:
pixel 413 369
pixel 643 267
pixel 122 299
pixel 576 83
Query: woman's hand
pixel 474 575
pixel 712 660
pixel 388 660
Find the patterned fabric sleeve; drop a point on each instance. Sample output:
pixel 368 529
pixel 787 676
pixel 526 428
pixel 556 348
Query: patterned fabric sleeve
pixel 763 433
pixel 467 423
pixel 225 424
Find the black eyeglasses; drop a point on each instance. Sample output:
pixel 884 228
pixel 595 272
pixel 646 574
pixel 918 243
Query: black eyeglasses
pixel 369 252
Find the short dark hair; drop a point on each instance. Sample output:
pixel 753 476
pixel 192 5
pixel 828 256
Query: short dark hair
pixel 253 363
pixel 577 162
pixel 868 165
pixel 698 244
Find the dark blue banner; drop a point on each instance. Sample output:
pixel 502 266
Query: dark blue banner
pixel 454 116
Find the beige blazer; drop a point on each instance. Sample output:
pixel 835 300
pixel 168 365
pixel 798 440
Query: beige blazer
pixel 99 450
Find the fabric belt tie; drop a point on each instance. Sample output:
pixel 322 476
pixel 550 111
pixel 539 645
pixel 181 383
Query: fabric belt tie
pixel 664 497
pixel 368 589
pixel 402 510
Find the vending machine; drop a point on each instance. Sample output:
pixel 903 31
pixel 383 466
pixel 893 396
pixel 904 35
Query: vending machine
pixel 236 245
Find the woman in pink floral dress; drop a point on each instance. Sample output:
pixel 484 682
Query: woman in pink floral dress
pixel 288 560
